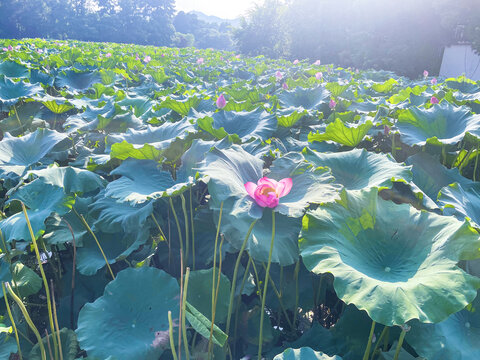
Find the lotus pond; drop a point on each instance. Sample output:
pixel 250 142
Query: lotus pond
pixel 161 203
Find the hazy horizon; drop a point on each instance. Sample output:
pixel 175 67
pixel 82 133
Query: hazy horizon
pixel 225 9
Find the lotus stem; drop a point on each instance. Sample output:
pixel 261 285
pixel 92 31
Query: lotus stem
pixel 444 155
pixel 366 355
pixel 216 290
pixel 235 272
pixel 400 342
pixel 180 310
pixel 193 231
pixel 265 286
pixel 16 115
pixel 9 259
pixel 170 335
pixel 159 227
pixel 184 303
pixel 386 339
pixel 56 321
pixel 49 347
pixel 394 150
pixel 459 153
pixel 296 271
pixel 180 237
pixel 245 275
pixel 44 277
pixel 84 222
pixel 380 338
pixel 29 321
pixel 185 216
pixel 12 320
pixel 475 168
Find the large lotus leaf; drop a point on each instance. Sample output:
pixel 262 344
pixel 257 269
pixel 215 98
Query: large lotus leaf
pixel 304 353
pixel 111 214
pixel 13 70
pixel 71 179
pixel 430 176
pixel 143 180
pixel 345 134
pixel 89 119
pixel 289 117
pixel 462 201
pixel 130 321
pixel 391 260
pixel 116 246
pixel 370 169
pixel 11 92
pixel 17 154
pixel 254 124
pixel 41 201
pixel 454 338
pixel 200 294
pixel 26 113
pixel 307 98
pixel 68 341
pixel 26 280
pixel 159 137
pixel 75 81
pixel 181 106
pixel 441 124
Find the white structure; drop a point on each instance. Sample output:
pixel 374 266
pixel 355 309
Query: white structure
pixel 458 60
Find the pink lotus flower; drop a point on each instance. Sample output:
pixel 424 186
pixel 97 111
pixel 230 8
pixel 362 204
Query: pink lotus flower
pixel 107 55
pixel 425 73
pixel 200 61
pixel 285 86
pixel 434 100
pixel 267 192
pixel 295 62
pixel 221 102
pixel 137 58
pixel 278 75
pixel 317 63
pixel 147 59
pixel 5 49
pixel 434 81
pixel 332 104
pixel 10 48
pixel 40 51
pixel 238 56
pixel 319 75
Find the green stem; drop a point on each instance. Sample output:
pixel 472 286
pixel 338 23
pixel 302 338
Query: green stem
pixel 158 227
pixel 459 153
pixel 265 286
pixel 170 333
pixel 16 114
pixel 366 355
pixel 444 155
pixel 296 271
pixel 394 149
pixel 234 279
pixel 210 343
pixel 56 322
pixel 85 224
pixel 475 167
pixel 400 342
pixel 184 304
pixel 12 320
pixel 245 275
pixel 44 277
pixel 180 237
pixel 379 341
pixel 193 231
pixel 185 216
pixel 386 339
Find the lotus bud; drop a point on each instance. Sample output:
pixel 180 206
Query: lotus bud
pixel 221 102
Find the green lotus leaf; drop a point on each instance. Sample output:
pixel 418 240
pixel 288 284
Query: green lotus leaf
pixel 26 113
pixel 26 280
pixel 13 70
pixel 306 98
pixel 385 87
pixel 431 176
pixel 142 180
pixel 125 150
pixel 11 92
pixel 17 154
pixel 289 117
pixel 247 125
pixel 202 325
pixel 454 338
pixel 441 124
pixel 76 81
pixel 345 134
pixel 463 84
pixel 116 246
pixel 111 214
pixel 130 320
pixel 71 179
pixel 391 260
pixel 371 170
pixel 462 201
pixel 180 106
pixel 304 353
pixel 68 341
pixel 57 108
pixel 41 201
pixel 402 355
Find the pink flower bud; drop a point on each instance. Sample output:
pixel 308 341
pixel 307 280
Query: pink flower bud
pixel 425 73
pixel 10 48
pixel 284 86
pixel 221 102
pixel 278 75
pixel 296 62
pixel 319 75
pixel 107 55
pixel 200 61
pixel 317 63
pixel 434 100
pixel 332 104
pixel 434 81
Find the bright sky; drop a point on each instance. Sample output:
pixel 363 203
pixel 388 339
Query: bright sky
pixel 226 9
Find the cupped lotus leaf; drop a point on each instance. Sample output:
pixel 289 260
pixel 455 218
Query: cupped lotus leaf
pixel 68 341
pixel 454 338
pixel 12 69
pixel 462 201
pixel 431 176
pixel 75 81
pixel 41 201
pixel 142 180
pixel 160 137
pixel 345 134
pixel 254 124
pixel 17 154
pixel 38 76
pixel 125 150
pixel 200 294
pixel 110 214
pixel 12 91
pixel 180 106
pixel 58 108
pixel 116 246
pixel 289 117
pixel 391 260
pixel 72 180
pixel 441 124
pixel 358 169
pixel 130 321
pixel 306 98
pixel 304 353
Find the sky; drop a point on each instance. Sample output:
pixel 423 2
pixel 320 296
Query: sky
pixel 226 9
